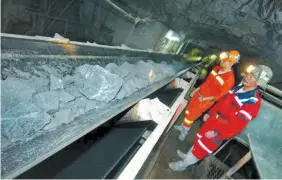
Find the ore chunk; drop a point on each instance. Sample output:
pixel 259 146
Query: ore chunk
pixel 73 90
pixel 4 142
pixel 40 84
pixel 55 83
pixel 16 98
pixel 48 101
pixel 66 97
pixel 127 69
pixel 97 83
pixel 113 68
pixel 67 80
pixel 19 128
pixel 63 116
pixel 80 102
pixel 93 104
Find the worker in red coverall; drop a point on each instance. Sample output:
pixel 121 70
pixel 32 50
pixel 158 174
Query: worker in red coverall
pixel 228 117
pixel 218 83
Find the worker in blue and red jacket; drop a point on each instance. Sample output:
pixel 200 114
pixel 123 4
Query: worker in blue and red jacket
pixel 228 117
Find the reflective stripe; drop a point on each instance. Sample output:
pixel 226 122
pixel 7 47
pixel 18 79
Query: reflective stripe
pixel 256 99
pixel 213 73
pixel 220 80
pixel 244 100
pixel 231 92
pixel 186 112
pixel 246 114
pixel 238 101
pixel 199 136
pixel 187 121
pixel 204 147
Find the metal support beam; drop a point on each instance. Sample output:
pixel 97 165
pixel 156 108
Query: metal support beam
pixel 58 16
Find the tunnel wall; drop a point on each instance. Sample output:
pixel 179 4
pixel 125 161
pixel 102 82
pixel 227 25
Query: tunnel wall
pixel 85 20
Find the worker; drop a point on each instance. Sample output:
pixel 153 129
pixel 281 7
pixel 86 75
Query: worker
pixel 228 117
pixel 220 80
pixel 194 55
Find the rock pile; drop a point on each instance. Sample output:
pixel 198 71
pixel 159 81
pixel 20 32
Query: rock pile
pixel 31 104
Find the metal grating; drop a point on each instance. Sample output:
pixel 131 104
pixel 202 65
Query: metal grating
pixel 213 168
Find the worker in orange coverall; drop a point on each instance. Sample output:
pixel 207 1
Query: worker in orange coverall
pixel 220 80
pixel 228 117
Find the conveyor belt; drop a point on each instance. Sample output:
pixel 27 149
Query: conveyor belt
pixel 104 155
pixel 21 157
pixel 167 96
pixel 73 161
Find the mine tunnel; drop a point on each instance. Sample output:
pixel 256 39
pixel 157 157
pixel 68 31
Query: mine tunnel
pixel 106 89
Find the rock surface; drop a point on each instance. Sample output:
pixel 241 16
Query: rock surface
pixel 16 98
pixel 66 97
pixel 22 74
pixel 80 102
pixel 113 68
pixel 64 105
pixel 55 83
pixel 4 142
pixel 48 101
pixel 62 116
pixel 49 70
pixel 67 80
pixel 93 104
pixel 97 83
pixel 21 127
pixel 39 84
pixel 73 90
pixel 126 69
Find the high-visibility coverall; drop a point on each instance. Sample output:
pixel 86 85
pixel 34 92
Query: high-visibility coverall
pixel 227 118
pixel 216 85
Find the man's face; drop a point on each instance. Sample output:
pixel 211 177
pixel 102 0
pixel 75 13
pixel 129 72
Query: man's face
pixel 249 80
pixel 225 63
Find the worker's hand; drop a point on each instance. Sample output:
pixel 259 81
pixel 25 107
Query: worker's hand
pixel 206 117
pixel 201 98
pixel 210 134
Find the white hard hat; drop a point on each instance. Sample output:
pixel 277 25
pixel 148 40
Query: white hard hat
pixel 262 73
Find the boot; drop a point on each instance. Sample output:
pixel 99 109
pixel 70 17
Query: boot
pixel 181 154
pixel 182 165
pixel 178 128
pixel 182 135
pixel 183 131
pixel 177 166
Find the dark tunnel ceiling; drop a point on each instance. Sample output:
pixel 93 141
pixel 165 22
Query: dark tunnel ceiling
pixel 251 26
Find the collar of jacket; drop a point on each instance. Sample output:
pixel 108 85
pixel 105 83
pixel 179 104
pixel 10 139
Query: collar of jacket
pixel 248 97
